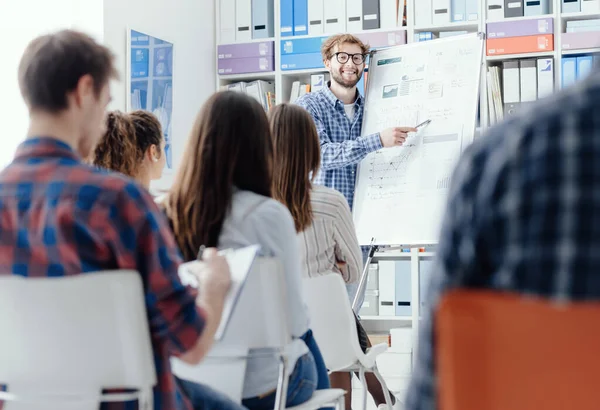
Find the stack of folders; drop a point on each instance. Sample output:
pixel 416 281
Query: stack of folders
pixel 315 17
pixel 520 36
pixel 442 12
pixel 523 81
pixel 581 34
pixel 576 68
pixel 317 83
pixel 262 91
pixel 243 20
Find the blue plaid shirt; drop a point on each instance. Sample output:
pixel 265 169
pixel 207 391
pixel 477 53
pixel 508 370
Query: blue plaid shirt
pixel 342 147
pixel 522 215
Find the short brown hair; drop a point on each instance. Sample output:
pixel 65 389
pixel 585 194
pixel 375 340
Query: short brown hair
pixel 117 149
pixel 53 64
pixel 148 130
pixel 338 39
pixel 297 160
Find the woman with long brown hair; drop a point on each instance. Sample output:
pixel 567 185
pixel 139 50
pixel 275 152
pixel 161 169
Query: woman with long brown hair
pixel 222 198
pixel 321 215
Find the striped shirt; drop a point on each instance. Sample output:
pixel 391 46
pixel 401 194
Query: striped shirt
pixel 331 238
pixel 523 216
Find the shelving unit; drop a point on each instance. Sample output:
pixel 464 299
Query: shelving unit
pixel 283 80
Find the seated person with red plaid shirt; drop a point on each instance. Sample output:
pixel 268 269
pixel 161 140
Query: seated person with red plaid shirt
pixel 59 216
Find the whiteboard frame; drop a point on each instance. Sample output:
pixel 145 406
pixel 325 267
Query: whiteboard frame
pixel 464 144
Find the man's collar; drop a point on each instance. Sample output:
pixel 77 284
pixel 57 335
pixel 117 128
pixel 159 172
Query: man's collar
pixel 45 147
pixel 333 100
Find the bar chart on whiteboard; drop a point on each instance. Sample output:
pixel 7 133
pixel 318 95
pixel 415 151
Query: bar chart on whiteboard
pixel 401 191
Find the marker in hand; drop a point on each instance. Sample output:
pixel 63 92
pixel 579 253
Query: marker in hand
pixel 424 123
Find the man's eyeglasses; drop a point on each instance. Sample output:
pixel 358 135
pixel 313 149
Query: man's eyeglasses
pixel 343 58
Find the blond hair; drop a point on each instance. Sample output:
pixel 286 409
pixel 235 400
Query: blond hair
pixel 338 39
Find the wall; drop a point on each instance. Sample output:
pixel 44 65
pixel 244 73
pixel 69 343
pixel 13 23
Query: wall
pixel 20 22
pixel 191 27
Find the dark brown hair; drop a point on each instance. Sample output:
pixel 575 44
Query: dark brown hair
pixel 148 130
pixel 230 146
pixel 297 159
pixel 117 149
pixel 338 39
pixel 53 64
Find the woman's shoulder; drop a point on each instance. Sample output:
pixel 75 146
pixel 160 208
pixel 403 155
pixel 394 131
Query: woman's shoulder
pixel 325 198
pixel 255 206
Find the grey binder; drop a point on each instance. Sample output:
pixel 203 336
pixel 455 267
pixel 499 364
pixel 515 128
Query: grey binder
pixel 571 6
pixel 513 8
pixel 370 14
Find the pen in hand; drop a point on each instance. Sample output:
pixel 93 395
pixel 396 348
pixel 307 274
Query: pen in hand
pixel 200 252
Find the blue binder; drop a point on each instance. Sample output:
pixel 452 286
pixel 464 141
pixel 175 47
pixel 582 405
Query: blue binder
pixel 286 16
pixel 300 17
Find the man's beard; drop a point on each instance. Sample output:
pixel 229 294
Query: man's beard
pixel 338 78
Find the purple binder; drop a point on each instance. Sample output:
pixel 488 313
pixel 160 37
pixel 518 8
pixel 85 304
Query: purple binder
pixel 246 50
pixel 519 28
pixel 246 65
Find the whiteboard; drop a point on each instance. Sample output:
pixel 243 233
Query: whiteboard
pixel 401 192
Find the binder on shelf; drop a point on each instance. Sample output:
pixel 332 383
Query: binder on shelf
pixel 245 50
pixel 459 10
pixel 518 45
pixel 571 6
pixel 373 278
pixel 371 16
pixel 317 82
pixel 590 6
pixel 511 87
pixel 518 28
pixel 472 10
pixel 301 61
pixel 536 7
pixel 387 288
pixel 263 18
pixel 528 79
pixel 335 16
pixel 286 17
pixel 423 13
pixel 260 90
pixel 574 41
pixel 383 39
pixel 246 65
pixel 584 66
pixel 513 8
pixel 388 13
pixel 403 288
pixel 354 15
pixel 370 306
pixel 226 22
pixel 545 77
pixel 441 12
pixel 302 45
pixel 315 17
pixel 495 10
pixel 569 71
pixel 300 17
pixel 243 20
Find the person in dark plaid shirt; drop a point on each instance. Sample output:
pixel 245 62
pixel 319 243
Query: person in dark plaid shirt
pixel 521 216
pixel 59 216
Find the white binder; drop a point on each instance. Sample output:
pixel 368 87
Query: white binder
pixel 243 20
pixel 590 6
pixel 495 10
pixel 316 23
pixel 227 21
pixel 353 15
pixel 423 13
pixel 441 12
pixel 335 16
pixel 388 13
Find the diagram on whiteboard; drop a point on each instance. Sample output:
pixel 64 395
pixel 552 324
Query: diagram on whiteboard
pixel 401 192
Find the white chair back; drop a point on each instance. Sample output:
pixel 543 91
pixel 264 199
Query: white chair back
pixel 332 320
pixel 258 321
pixel 72 336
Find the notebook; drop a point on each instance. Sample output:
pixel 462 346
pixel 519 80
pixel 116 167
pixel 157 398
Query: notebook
pixel 240 263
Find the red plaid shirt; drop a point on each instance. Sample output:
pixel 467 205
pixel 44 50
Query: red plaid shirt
pixel 59 217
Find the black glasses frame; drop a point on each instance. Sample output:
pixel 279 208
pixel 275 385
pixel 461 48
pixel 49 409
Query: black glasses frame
pixel 343 57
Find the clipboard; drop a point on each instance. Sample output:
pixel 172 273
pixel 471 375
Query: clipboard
pixel 240 263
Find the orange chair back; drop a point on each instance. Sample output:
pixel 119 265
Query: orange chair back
pixel 498 351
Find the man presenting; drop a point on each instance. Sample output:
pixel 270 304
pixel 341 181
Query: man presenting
pixel 337 111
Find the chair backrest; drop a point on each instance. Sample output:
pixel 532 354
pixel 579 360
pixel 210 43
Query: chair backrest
pixel 499 351
pixel 74 334
pixel 331 320
pixel 258 321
